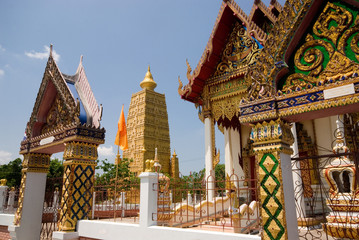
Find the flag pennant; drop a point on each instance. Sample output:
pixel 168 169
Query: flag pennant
pixel 121 136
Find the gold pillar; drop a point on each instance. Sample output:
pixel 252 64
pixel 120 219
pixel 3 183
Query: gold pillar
pixel 33 162
pixel 174 166
pixel 77 189
pixel 270 140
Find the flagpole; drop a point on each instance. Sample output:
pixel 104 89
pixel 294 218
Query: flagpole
pixel 120 137
pixel 115 198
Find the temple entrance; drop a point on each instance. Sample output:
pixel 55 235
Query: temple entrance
pixel 326 186
pixel 66 118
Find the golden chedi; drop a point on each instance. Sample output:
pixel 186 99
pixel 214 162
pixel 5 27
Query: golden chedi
pixel 147 128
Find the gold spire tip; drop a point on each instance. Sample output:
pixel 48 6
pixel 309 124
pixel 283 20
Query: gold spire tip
pixel 148 82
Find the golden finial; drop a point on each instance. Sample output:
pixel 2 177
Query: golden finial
pixel 148 82
pixel 174 153
pixel 3 182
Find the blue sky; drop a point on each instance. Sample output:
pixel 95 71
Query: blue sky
pixel 118 40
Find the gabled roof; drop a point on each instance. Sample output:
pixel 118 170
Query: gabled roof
pixel 228 14
pixel 80 88
pixel 74 93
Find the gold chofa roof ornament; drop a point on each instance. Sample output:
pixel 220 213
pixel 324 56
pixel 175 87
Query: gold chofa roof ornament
pixel 148 82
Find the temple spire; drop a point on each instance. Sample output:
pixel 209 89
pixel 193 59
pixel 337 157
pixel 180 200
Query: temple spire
pixel 148 82
pixel 51 50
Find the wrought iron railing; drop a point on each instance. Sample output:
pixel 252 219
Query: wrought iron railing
pixel 326 188
pixel 227 205
pixel 117 201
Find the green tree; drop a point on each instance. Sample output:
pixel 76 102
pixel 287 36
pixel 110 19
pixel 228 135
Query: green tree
pixel 12 172
pixel 124 175
pixel 56 169
pixel 220 174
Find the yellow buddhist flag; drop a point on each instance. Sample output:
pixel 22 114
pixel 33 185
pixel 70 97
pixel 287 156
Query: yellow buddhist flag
pixel 121 136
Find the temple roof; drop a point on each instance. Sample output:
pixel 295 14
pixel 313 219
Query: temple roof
pixel 90 112
pixel 228 14
pixel 63 99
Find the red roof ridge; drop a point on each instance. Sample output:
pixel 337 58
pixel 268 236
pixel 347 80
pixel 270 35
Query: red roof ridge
pixel 253 29
pixel 258 4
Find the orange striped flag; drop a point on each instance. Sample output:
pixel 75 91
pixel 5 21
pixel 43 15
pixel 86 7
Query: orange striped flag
pixel 121 136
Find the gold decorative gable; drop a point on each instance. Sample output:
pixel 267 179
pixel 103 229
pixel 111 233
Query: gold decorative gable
pixel 59 116
pixel 240 51
pixel 330 51
pixel 53 78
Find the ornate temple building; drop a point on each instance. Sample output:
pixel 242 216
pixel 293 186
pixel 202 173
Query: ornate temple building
pixel 281 83
pixel 148 129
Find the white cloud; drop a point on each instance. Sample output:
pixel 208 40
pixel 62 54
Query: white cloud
pixel 5 157
pixel 2 49
pixel 2 73
pixel 43 55
pixel 106 151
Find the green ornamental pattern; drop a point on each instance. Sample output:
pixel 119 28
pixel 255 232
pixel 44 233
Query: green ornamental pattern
pixel 269 170
pixel 336 30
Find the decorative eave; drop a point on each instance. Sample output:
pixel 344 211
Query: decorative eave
pixel 54 141
pixel 303 105
pixel 260 6
pixel 228 14
pixel 275 6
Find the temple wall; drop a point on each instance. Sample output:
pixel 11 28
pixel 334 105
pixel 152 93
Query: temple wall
pixel 325 128
pixel 111 230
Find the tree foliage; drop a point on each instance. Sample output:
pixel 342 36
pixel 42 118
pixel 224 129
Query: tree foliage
pixel 196 180
pixel 124 175
pixel 56 169
pixel 12 172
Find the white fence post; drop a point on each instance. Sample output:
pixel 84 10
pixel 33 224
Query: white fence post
pixel 189 197
pixel 123 202
pixel 148 198
pixel 93 205
pixel 11 200
pixel 3 190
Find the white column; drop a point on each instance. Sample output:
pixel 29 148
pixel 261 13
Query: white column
pixel 288 190
pixel 297 178
pixel 232 152
pixel 208 157
pixel 148 198
pixel 228 160
pixel 31 217
pixel 3 190
pixel 236 152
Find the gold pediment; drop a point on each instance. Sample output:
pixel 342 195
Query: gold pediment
pixel 54 106
pixel 339 66
pixel 58 116
pixel 240 51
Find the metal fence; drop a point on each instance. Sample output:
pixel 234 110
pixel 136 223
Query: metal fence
pixel 218 205
pixel 118 201
pixel 51 207
pixel 326 188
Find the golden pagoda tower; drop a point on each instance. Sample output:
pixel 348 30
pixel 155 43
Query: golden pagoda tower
pixel 147 128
